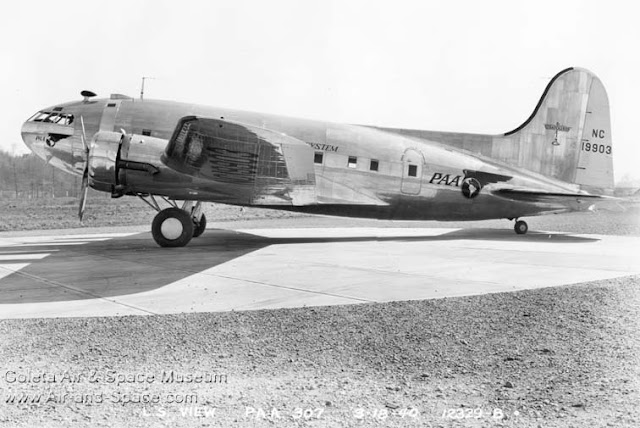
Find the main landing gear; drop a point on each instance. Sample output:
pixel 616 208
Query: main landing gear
pixel 175 226
pixel 521 227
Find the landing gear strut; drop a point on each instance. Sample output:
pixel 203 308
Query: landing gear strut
pixel 198 217
pixel 175 226
pixel 521 227
pixel 199 226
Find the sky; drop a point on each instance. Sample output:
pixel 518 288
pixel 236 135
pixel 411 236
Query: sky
pixel 464 66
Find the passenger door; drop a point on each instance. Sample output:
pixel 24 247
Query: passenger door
pixel 412 166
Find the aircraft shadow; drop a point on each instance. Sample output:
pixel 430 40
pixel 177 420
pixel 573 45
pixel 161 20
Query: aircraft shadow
pixel 134 264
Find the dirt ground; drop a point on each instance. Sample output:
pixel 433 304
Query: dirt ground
pixel 101 211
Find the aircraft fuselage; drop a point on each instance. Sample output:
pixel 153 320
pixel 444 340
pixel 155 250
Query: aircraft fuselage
pixel 358 171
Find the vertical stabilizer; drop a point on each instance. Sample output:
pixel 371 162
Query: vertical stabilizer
pixel 568 136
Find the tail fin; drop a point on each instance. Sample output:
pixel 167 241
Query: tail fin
pixel 568 136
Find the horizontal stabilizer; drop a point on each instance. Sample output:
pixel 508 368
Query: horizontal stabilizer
pixel 533 195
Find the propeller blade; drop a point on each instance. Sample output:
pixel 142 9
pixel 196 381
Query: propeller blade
pixel 84 187
pixel 84 138
pixel 84 190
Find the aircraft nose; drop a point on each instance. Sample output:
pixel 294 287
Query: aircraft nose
pixel 51 135
pixel 46 129
pixel 29 133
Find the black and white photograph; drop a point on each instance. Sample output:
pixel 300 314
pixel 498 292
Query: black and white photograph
pixel 319 214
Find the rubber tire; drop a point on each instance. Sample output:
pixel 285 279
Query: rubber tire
pixel 180 215
pixel 198 229
pixel 521 227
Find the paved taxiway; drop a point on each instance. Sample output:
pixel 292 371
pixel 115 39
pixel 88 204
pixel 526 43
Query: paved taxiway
pixel 110 274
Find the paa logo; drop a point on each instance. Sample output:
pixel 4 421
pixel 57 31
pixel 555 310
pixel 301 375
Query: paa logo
pixel 470 186
pixel 446 179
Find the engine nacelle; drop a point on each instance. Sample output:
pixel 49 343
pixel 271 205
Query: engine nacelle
pixel 125 163
pixel 104 154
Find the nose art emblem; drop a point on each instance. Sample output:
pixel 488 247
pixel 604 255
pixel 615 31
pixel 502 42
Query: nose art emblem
pixel 48 140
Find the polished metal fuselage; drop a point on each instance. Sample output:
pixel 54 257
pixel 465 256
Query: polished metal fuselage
pixel 416 178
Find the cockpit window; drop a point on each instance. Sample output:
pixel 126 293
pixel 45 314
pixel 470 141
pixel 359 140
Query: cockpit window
pixel 52 117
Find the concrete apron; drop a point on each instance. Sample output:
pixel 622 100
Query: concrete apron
pixel 113 274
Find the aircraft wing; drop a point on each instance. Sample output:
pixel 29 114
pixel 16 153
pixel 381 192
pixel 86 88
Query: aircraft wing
pixel 258 165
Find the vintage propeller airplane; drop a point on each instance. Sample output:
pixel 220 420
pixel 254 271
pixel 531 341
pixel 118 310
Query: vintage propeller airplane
pixel 558 160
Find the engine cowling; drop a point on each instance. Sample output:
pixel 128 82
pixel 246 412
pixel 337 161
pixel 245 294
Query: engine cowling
pixel 122 163
pixel 104 153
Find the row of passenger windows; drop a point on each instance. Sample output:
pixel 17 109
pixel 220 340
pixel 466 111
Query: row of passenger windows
pixel 352 162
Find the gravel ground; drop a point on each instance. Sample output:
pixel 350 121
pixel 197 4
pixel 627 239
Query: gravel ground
pixel 553 357
pixel 565 356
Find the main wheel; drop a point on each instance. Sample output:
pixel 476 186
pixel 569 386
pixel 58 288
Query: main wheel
pixel 172 227
pixel 521 227
pixel 199 227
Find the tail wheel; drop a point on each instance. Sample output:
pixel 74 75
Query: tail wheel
pixel 172 227
pixel 521 227
pixel 200 226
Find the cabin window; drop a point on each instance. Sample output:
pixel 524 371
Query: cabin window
pixel 317 157
pixel 413 171
pixel 146 132
pixel 353 162
pixel 374 165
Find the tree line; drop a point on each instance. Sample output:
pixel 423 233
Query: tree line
pixel 29 177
